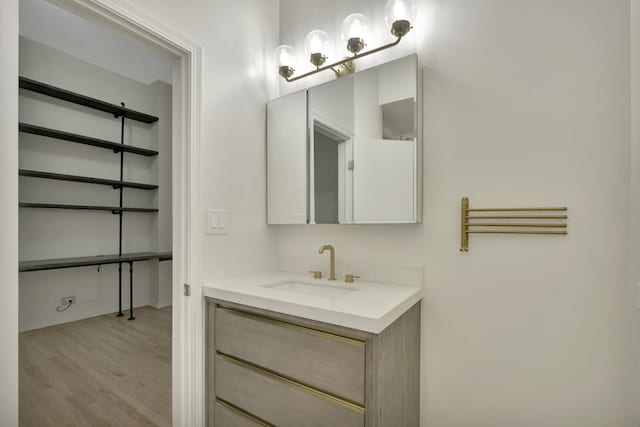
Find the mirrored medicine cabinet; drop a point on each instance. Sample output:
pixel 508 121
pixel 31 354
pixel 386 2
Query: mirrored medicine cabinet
pixel 348 151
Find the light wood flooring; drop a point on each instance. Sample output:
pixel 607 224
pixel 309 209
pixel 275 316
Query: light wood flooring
pixel 103 371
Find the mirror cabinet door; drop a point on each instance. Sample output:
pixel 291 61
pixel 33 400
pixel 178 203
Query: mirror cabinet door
pixel 362 164
pixel 287 159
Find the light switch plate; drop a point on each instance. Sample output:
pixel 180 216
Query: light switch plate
pixel 217 221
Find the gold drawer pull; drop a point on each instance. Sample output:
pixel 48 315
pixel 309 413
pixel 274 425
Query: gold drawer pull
pixel 293 326
pixel 242 413
pixel 282 379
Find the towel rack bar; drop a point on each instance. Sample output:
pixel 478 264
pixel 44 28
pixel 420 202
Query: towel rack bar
pixel 509 224
pixel 516 209
pixel 515 232
pixel 506 224
pixel 516 217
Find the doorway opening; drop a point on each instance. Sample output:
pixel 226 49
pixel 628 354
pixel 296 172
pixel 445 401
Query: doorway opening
pixel 332 178
pixel 107 136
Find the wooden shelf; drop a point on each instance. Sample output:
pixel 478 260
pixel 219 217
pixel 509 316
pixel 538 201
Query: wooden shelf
pixel 76 98
pixel 57 263
pixel 85 179
pixel 85 140
pixel 84 207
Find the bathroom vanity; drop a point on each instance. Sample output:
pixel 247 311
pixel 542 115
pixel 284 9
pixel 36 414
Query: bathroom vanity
pixel 288 350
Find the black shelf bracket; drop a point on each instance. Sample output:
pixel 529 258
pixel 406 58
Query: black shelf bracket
pixel 119 213
pixel 131 291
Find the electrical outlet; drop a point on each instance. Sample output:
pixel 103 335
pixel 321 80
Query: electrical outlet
pixel 67 300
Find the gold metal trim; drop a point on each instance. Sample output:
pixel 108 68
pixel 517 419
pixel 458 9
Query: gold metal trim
pixel 515 232
pixel 516 217
pixel 464 236
pixel 514 224
pixel 261 318
pixel 286 380
pixel 550 227
pixel 516 209
pixel 242 413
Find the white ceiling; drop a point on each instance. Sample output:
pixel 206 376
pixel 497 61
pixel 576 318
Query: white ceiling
pixel 102 46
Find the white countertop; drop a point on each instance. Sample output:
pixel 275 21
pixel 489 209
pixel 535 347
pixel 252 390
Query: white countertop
pixel 372 307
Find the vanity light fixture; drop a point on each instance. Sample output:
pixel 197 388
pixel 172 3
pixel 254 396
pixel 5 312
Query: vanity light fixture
pixel 399 14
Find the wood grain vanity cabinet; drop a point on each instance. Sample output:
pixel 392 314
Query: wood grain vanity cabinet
pixel 271 369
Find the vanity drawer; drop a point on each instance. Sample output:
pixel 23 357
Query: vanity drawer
pixel 228 416
pixel 278 400
pixel 326 361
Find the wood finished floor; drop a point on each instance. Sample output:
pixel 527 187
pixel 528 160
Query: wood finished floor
pixel 103 371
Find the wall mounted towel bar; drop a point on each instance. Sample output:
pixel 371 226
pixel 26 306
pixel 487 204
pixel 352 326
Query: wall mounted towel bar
pixel 522 223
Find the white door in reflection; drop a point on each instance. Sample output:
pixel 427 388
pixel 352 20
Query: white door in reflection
pixel 384 181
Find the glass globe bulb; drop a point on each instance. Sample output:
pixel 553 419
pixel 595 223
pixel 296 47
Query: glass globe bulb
pixel 355 30
pixel 399 15
pixel 284 56
pixel 317 45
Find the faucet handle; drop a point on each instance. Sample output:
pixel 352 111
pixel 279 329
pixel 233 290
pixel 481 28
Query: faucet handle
pixel 349 278
pixel 316 274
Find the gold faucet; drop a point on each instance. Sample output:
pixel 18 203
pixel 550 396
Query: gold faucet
pixel 332 274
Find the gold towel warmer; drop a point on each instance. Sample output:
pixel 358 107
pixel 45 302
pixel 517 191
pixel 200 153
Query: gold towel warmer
pixel 554 224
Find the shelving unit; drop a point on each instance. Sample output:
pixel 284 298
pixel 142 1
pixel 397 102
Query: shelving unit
pixel 118 111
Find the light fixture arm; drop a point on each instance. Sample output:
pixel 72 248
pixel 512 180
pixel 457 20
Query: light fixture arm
pixel 344 61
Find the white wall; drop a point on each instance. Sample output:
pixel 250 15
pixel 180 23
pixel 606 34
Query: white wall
pixel 526 103
pixel 237 40
pixel 103 46
pixel 9 214
pixel 48 233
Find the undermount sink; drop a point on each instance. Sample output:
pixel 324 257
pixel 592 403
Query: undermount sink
pixel 314 289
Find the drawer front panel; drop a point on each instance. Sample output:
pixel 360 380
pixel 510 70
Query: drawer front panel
pixel 329 362
pixel 227 416
pixel 280 401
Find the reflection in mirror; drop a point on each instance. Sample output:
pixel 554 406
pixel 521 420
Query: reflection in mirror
pixel 326 178
pixel 363 144
pixel 397 120
pixel 330 171
pixel 347 151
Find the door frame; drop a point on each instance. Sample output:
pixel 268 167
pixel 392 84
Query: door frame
pixel 188 315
